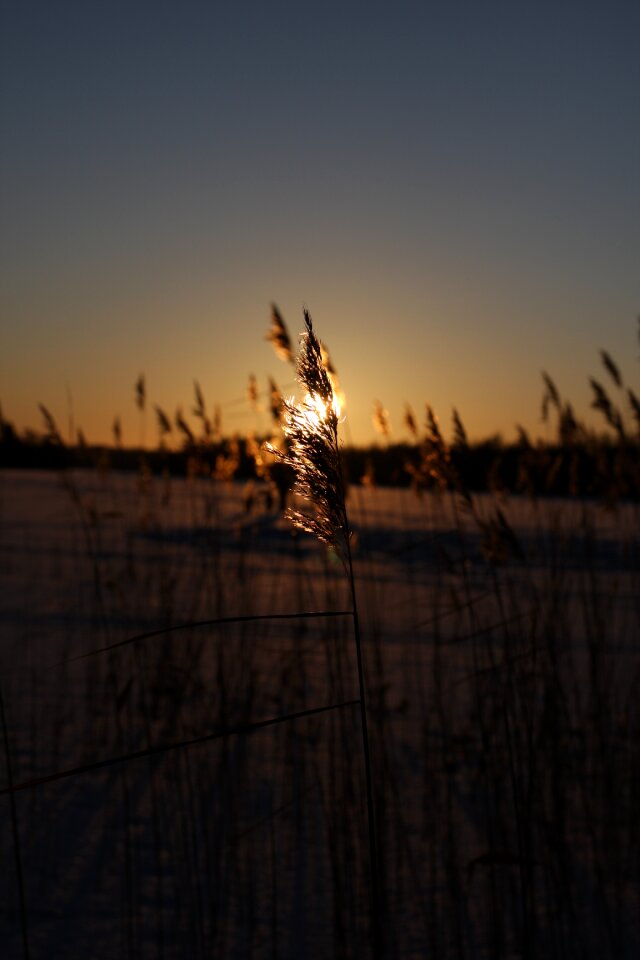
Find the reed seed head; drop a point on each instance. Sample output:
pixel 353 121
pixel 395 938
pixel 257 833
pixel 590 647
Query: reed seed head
pixel 380 418
pixel 252 392
pixel 278 336
pixel 310 427
pixel 140 392
pixel 409 420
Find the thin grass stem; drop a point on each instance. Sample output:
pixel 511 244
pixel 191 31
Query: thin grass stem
pixel 235 730
pixel 14 829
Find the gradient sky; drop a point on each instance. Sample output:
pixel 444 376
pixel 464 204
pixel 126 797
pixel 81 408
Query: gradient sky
pixel 452 190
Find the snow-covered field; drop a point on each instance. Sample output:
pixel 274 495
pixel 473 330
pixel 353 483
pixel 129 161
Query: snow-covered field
pixel 503 662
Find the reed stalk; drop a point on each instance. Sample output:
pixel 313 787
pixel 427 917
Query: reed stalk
pixel 15 832
pixel 311 432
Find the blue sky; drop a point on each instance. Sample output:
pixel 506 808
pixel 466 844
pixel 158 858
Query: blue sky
pixel 452 192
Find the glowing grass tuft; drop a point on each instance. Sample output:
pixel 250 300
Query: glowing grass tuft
pixel 311 431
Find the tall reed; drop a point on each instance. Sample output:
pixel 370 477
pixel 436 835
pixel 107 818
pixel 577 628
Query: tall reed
pixel 311 430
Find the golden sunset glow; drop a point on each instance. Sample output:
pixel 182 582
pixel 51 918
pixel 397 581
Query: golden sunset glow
pixel 316 410
pixel 155 210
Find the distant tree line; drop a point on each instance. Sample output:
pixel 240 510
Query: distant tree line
pixel 603 467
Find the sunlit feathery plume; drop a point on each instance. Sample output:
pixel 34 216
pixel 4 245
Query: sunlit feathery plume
pixel 164 424
pixel 611 367
pixel 380 418
pixel 252 392
pixel 216 423
pixel 140 392
pixel 311 430
pixel 116 429
pixel 276 401
pixel 332 373
pixel 278 336
pixel 460 438
pixel 184 427
pixel 53 435
pixel 199 408
pixel 409 420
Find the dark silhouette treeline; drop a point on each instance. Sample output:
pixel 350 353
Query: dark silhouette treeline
pixel 597 467
pixel 601 469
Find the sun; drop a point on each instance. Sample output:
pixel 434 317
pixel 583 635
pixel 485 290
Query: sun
pixel 317 411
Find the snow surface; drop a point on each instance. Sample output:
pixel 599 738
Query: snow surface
pixel 257 842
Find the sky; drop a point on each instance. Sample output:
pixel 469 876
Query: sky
pixel 452 191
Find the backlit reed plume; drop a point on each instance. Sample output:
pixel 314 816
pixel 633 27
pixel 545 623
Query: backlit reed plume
pixel 53 435
pixel 116 429
pixel 164 424
pixel 409 420
pixel 523 441
pixel 228 461
pixel 276 401
pixel 332 373
pixel 311 431
pixel 199 411
pixel 278 336
pixel 216 422
pixel 459 433
pixel 140 390
pixel 252 392
pixel 611 367
pixel 602 402
pixel 433 470
pixel 380 419
pixel 184 428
